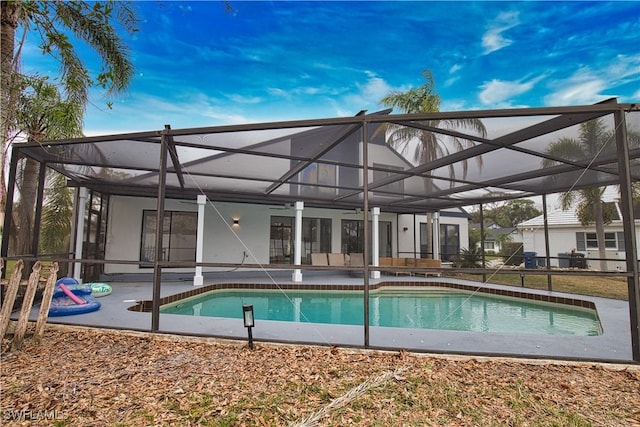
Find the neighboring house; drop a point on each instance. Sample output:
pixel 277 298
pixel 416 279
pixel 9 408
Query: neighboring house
pixel 566 234
pixel 495 236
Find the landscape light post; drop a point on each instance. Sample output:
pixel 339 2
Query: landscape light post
pixel 247 314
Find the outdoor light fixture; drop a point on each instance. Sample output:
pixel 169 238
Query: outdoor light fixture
pixel 247 314
pixel 236 221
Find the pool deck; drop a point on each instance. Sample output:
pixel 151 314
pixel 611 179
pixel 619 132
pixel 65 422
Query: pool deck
pixel 614 345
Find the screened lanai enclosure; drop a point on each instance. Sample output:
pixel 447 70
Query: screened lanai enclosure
pixel 374 168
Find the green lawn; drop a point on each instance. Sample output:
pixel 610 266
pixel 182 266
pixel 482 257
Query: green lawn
pixel 606 287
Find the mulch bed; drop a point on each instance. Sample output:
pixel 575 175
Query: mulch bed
pixel 83 376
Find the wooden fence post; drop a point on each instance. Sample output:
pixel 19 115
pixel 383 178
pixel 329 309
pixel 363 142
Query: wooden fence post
pixel 32 285
pixel 46 302
pixel 10 297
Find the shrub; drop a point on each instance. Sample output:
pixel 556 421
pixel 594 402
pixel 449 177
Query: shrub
pixel 468 258
pixel 512 253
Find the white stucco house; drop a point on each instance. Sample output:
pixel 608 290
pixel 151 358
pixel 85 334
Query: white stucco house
pixel 566 234
pixel 264 234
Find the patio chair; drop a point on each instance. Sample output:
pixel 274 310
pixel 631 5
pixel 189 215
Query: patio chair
pixel 319 259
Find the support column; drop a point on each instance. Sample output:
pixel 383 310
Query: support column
pixel 484 258
pixel 297 246
pixel 82 205
pixel 628 220
pixel 157 259
pixel 37 219
pixel 546 241
pixel 365 219
pixel 375 244
pixel 198 280
pixel 436 235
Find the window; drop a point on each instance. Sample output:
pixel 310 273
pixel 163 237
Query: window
pixel 281 240
pixel 178 236
pixel 424 241
pixel 449 241
pixel 384 237
pixel 316 238
pixel 489 245
pixel 586 241
pixel 394 187
pixel 353 237
pixel 322 178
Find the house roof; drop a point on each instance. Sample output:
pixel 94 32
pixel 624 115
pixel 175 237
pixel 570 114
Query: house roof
pixel 569 217
pixel 493 232
pixel 322 161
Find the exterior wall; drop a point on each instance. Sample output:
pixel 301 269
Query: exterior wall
pixel 562 239
pixel 220 243
pixel 409 239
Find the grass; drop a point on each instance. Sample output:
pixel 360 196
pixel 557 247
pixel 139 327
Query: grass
pixel 605 287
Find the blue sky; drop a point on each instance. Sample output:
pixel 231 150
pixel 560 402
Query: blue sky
pixel 198 65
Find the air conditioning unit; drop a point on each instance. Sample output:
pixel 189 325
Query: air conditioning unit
pixel 616 260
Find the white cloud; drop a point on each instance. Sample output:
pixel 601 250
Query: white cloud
pixel 275 91
pixel 310 90
pixel 451 80
pixel 587 85
pixel 578 91
pixel 624 67
pixel 375 89
pixel 497 92
pixel 241 99
pixel 223 117
pixel 492 39
pixel 149 112
pixel 455 68
pixel 368 94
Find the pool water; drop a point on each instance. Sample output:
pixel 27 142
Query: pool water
pixel 426 308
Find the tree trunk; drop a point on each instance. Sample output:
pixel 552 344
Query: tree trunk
pixel 9 13
pixel 25 211
pixel 599 220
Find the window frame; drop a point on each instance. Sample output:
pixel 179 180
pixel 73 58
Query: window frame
pixel 318 178
pixel 446 253
pixel 149 250
pixel 588 241
pixel 324 245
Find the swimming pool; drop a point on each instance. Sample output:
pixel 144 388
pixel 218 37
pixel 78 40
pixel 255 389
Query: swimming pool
pixel 430 308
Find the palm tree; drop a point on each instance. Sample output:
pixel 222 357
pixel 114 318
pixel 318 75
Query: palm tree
pixel 431 145
pixel 55 233
pixel 91 22
pixel 593 139
pixel 41 114
pixel 424 99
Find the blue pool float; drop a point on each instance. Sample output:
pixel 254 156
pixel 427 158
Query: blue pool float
pixel 69 297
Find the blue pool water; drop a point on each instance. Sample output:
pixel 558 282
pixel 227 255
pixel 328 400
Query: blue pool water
pixel 425 308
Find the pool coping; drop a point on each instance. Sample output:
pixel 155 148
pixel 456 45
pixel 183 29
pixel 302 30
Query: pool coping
pixel 146 305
